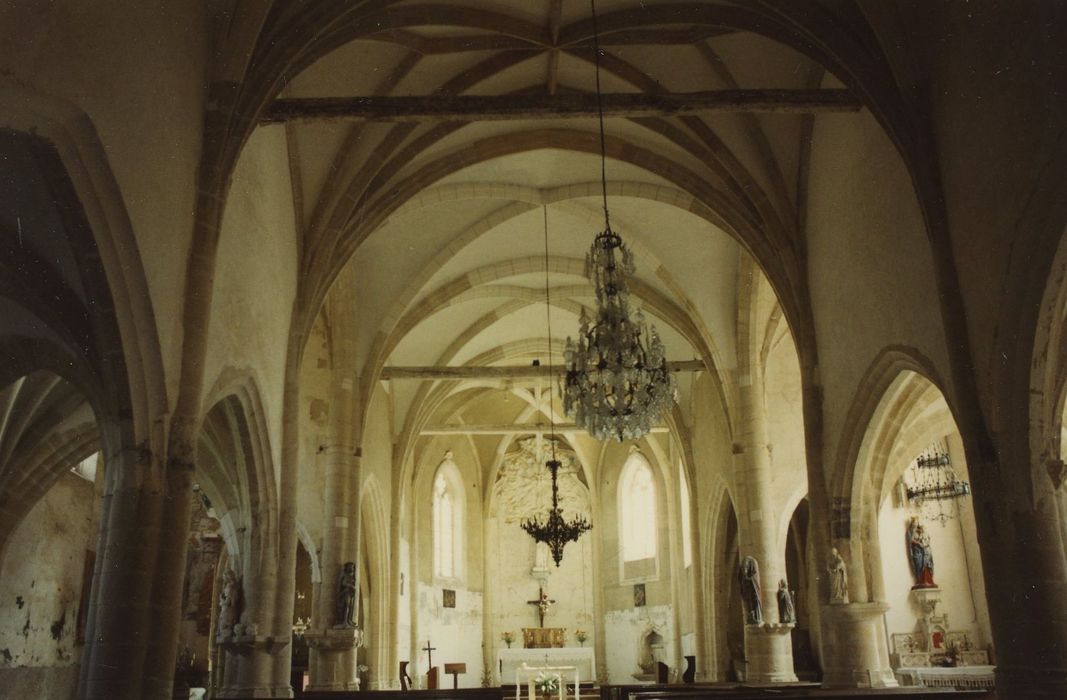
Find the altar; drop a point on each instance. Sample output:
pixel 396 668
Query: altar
pixel 508 661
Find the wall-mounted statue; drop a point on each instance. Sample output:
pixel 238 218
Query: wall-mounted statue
pixel 748 581
pixel 920 556
pixel 229 603
pixel 838 577
pixel 787 612
pixel 345 612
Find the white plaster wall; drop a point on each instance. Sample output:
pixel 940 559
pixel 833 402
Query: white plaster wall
pixel 623 630
pixel 403 617
pixel 455 632
pixel 143 89
pixel 952 573
pixel 870 265
pixel 510 560
pixel 255 279
pixel 40 592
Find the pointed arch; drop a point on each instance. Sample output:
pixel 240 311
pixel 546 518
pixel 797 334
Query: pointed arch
pixel 448 510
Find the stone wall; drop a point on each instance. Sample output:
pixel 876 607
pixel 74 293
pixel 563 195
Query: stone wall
pixel 41 578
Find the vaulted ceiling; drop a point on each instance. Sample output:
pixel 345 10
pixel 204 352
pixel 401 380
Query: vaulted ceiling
pixel 438 218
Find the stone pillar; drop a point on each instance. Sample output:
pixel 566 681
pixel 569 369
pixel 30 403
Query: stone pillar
pixel 768 647
pixel 135 604
pixel 1025 578
pixel 333 643
pixel 854 646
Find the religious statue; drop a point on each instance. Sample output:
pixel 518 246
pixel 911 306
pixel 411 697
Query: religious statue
pixel 345 613
pixel 919 555
pixel 838 577
pixel 748 579
pixel 787 613
pixel 229 600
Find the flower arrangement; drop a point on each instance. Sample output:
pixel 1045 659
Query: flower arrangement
pixel 581 635
pixel 508 638
pixel 547 683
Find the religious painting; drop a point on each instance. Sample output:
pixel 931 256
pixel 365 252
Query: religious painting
pixel 639 595
pixel 449 598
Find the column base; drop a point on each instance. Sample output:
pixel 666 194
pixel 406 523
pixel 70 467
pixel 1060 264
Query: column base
pixel 854 649
pixel 333 664
pixel 257 693
pixel 769 648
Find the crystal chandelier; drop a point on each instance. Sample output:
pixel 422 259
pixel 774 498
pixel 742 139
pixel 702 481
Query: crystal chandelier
pixel 930 480
pixel 554 531
pixel 617 383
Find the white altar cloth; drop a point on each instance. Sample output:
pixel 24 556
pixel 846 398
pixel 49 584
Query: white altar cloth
pixel 508 661
pixel 968 677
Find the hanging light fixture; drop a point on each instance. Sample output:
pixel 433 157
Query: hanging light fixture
pixel 555 531
pixel 617 382
pixel 931 480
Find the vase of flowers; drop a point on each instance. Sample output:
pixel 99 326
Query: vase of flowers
pixel 581 636
pixel 547 684
pixel 508 638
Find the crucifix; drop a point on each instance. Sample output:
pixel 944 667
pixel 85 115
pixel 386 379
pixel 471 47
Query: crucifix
pixel 429 653
pixel 542 604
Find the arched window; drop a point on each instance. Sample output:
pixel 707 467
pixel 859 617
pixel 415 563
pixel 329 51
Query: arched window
pixel 447 519
pixel 637 510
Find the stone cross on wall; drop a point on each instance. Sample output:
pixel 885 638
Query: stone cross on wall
pixel 543 603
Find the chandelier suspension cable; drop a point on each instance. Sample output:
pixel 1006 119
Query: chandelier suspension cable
pixel 600 116
pixel 548 321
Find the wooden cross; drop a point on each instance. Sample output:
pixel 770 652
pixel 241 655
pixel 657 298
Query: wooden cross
pixel 542 604
pixel 429 653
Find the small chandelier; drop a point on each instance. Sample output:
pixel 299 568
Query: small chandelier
pixel 555 531
pixel 931 479
pixel 617 384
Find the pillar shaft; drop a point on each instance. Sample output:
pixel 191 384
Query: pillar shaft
pixel 333 645
pixel 768 647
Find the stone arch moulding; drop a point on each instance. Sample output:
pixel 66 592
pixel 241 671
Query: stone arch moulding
pixel 237 395
pixel 867 400
pixel 893 385
pixel 71 133
pixel 1048 373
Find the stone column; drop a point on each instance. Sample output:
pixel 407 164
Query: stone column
pixel 135 604
pixel 333 644
pixel 768 647
pixel 854 647
pixel 1025 576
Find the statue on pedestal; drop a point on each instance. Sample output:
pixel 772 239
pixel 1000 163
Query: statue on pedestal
pixel 787 613
pixel 345 612
pixel 748 580
pixel 838 578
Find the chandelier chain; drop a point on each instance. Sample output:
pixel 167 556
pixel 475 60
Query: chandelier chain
pixel 600 117
pixel 548 322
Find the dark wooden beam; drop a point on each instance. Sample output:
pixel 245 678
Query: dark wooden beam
pixel 420 108
pixel 521 372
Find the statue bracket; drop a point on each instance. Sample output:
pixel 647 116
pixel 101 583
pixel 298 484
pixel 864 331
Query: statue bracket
pixel 335 638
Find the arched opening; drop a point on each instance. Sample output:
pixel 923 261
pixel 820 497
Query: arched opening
pixel 910 443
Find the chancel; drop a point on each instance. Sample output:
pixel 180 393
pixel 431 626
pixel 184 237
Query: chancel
pixel 287 403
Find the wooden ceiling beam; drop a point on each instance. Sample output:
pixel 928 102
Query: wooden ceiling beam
pixel 510 429
pixel 422 108
pixel 521 372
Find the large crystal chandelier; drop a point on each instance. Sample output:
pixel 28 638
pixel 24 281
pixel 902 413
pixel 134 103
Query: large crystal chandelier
pixel 617 383
pixel 554 530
